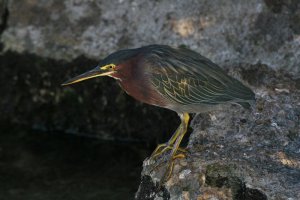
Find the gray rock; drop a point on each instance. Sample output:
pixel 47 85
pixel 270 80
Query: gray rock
pixel 237 153
pixel 225 31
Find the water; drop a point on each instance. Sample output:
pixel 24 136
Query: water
pixel 39 165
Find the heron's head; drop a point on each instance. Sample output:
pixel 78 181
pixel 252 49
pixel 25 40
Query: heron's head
pixel 111 66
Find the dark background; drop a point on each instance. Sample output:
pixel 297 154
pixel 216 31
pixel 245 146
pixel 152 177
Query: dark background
pixel 81 142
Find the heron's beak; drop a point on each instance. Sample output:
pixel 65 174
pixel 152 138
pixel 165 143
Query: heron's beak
pixel 88 75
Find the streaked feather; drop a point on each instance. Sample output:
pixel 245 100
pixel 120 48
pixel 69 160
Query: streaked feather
pixel 186 77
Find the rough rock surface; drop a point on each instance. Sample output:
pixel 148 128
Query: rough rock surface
pixel 236 153
pixel 225 31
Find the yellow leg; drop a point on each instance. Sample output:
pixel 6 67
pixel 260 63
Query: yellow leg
pixel 171 166
pixel 184 122
pixel 173 145
pixel 161 148
pixel 166 146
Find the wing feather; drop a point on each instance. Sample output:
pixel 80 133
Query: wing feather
pixel 192 78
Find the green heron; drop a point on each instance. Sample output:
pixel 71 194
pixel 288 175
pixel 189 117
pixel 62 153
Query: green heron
pixel 178 79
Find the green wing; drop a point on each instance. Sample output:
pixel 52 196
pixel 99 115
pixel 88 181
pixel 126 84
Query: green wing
pixel 193 79
pixel 190 90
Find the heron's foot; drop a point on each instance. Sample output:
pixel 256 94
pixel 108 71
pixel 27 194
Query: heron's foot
pixel 170 167
pixel 161 148
pixel 170 163
pixel 167 160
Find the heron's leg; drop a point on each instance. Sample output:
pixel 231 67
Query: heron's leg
pixel 175 135
pixel 184 123
pixel 161 148
pixel 171 166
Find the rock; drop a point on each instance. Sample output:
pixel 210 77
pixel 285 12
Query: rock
pixel 3 15
pixel 237 153
pixel 228 32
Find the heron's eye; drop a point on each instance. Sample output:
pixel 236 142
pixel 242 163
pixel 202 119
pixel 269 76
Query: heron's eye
pixel 110 66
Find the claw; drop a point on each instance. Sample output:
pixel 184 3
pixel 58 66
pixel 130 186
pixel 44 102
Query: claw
pixel 178 156
pixel 156 151
pixel 170 167
pixel 161 148
pixel 181 155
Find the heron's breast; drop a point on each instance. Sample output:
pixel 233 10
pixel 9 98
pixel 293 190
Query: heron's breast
pixel 143 91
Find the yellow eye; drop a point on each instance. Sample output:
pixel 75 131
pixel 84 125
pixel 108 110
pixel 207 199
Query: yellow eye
pixel 110 66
